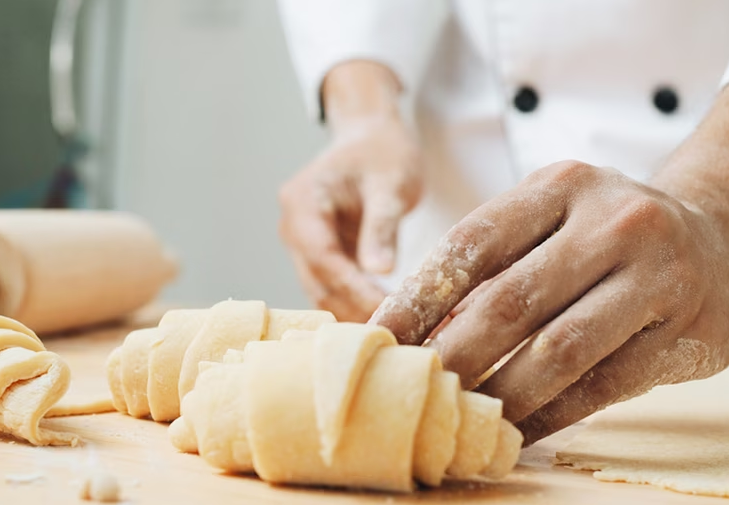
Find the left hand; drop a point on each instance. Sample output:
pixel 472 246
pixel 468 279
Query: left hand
pixel 620 286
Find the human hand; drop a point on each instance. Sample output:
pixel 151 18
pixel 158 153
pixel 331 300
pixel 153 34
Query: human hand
pixel 340 214
pixel 611 286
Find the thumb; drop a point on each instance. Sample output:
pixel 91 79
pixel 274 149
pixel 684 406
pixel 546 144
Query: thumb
pixel 377 242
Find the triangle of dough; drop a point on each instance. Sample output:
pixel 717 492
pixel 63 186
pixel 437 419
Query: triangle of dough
pixel 341 354
pixel 230 325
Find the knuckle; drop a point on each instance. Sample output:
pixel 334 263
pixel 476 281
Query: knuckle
pixel 460 238
pixel 601 387
pixel 567 171
pixel 646 214
pixel 565 342
pixel 509 302
pixel 468 238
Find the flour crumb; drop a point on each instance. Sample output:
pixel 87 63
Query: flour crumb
pixel 100 487
pixel 23 478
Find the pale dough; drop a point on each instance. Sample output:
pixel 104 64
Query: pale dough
pixel 100 487
pixel 32 380
pixel 676 437
pixel 155 368
pixel 343 406
pixel 98 405
pixel 178 328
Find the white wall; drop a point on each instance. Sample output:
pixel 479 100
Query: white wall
pixel 210 123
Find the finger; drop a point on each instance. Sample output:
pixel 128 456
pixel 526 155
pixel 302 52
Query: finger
pixel 347 283
pixel 334 280
pixel 598 324
pixel 338 298
pixel 650 358
pixel 319 294
pixel 378 233
pixel 522 299
pixel 458 309
pixel 483 244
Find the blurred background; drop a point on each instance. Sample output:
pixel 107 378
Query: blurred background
pixel 186 112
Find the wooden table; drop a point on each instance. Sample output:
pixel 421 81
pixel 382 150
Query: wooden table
pixel 151 471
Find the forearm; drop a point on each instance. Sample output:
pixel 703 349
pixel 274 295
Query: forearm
pixel 359 90
pixel 698 171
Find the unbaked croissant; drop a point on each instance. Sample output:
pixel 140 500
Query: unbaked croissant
pixel 153 370
pixel 343 406
pixel 32 380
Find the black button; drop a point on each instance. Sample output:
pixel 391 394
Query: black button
pixel 665 100
pixel 526 99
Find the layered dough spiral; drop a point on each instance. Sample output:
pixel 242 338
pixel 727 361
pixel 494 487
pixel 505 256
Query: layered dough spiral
pixel 155 367
pixel 343 406
pixel 32 380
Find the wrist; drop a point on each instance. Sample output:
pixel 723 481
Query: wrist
pixel 697 173
pixel 360 92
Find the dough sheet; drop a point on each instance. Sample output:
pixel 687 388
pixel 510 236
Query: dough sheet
pixel 675 437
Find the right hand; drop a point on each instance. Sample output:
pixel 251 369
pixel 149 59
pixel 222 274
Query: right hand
pixel 340 214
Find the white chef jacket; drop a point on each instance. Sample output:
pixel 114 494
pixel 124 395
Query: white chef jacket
pixel 509 86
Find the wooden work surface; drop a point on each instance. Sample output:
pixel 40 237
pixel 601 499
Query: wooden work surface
pixel 151 471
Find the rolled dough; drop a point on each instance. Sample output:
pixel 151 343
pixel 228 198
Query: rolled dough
pixel 343 406
pixel 155 368
pixel 32 380
pixel 675 437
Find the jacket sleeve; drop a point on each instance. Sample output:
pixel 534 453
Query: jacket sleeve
pixel 322 33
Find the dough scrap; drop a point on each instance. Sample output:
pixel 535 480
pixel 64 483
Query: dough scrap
pixel 675 437
pixel 100 487
pixel 99 405
pixel 32 380
pixel 343 406
pixel 153 370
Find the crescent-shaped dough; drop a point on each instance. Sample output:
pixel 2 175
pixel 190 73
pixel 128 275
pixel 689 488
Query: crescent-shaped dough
pixel 177 328
pixel 477 435
pixel 32 380
pixel 435 441
pixel 228 325
pixel 135 369
pixel 155 368
pixel 507 451
pixel 338 367
pixel 343 406
pixel 114 378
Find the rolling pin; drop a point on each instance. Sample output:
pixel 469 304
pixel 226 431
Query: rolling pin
pixel 64 269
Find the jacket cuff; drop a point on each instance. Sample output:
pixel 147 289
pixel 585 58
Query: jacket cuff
pixel 324 33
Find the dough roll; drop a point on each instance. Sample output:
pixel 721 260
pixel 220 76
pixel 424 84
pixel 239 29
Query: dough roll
pixel 65 269
pixel 343 405
pixel 32 380
pixel 154 368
